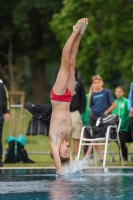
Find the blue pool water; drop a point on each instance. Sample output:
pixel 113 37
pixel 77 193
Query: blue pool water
pixel 43 184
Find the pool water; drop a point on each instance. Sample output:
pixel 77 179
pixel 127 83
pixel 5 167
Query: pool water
pixel 43 184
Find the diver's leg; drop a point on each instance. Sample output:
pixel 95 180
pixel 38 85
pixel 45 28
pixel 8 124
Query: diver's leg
pixel 72 65
pixel 64 71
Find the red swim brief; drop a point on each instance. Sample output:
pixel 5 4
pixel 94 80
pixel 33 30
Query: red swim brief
pixel 66 97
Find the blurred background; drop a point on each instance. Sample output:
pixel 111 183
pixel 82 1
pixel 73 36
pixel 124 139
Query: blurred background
pixel 33 32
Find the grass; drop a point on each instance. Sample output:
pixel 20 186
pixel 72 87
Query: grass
pixel 40 143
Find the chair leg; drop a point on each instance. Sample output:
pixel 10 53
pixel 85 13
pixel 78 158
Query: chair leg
pixel 94 152
pixel 106 146
pixel 78 156
pixel 122 163
pixel 80 143
pixel 119 144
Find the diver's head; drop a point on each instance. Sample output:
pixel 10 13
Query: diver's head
pixel 64 152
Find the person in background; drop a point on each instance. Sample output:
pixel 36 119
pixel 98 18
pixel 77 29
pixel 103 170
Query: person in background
pixel 101 104
pixel 85 116
pixel 121 110
pixel 77 107
pixel 61 96
pixel 4 113
pixel 130 106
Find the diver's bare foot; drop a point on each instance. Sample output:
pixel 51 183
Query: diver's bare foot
pixel 84 26
pixel 77 27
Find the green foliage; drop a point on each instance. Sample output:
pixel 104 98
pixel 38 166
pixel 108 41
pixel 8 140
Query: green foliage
pixel 31 19
pixel 26 24
pixel 106 48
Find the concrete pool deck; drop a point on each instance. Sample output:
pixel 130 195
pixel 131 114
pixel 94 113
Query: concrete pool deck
pixel 92 167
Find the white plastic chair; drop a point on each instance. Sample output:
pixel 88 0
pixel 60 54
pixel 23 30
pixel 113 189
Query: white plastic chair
pixel 101 141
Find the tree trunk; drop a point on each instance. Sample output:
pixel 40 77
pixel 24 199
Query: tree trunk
pixel 38 77
pixel 10 64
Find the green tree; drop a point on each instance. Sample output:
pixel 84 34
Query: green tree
pixel 25 30
pixel 106 48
